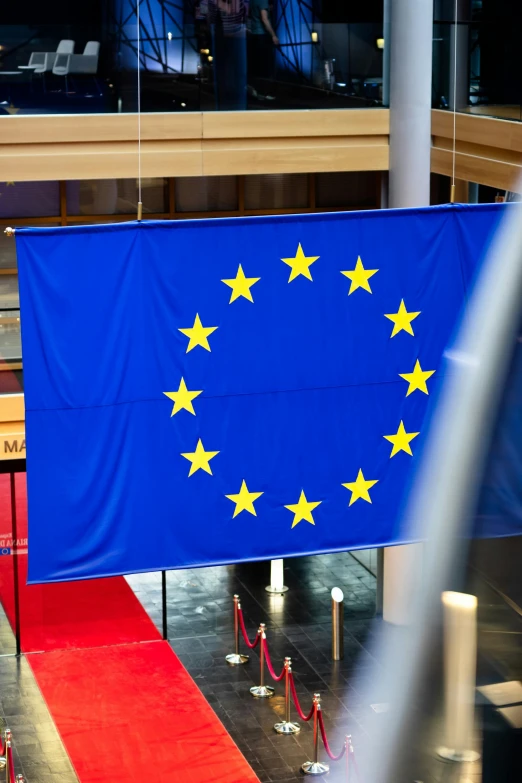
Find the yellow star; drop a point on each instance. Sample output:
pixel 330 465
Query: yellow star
pixel 303 509
pixel 359 488
pixel 300 264
pixel 241 285
pixel 402 319
pixel 417 379
pixel 244 500
pixel 198 334
pixel 401 441
pixel 199 458
pixel 182 398
pixel 359 277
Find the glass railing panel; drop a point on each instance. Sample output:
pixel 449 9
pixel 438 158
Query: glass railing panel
pixel 198 59
pixel 488 77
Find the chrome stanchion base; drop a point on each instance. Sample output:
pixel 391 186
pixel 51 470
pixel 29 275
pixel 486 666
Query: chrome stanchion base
pixel 464 756
pixel 2 763
pixel 276 590
pixel 235 659
pixel 262 691
pixel 315 768
pixel 287 727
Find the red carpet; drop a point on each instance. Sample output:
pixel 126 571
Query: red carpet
pixel 123 710
pixel 134 713
pixel 69 615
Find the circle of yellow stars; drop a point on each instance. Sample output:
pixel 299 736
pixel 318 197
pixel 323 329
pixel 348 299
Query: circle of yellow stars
pixel 198 336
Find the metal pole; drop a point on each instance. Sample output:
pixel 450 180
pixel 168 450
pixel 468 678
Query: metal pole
pixel 14 531
pixel 337 624
pixel 262 691
pixel 164 604
pixel 380 582
pixel 286 726
pixel 235 658
pixel 315 767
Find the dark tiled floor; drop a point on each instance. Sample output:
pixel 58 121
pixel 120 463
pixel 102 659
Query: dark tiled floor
pixel 298 625
pixel 37 749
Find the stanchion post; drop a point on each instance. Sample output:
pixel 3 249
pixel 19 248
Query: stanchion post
pixel 276 585
pixel 20 779
pixel 7 746
pixel 337 624
pixel 3 759
pixel 348 752
pixel 262 691
pixel 316 767
pixel 236 658
pixel 460 665
pixel 287 726
pixel 164 604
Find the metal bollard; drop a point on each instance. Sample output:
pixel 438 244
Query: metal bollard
pixel 262 691
pixel 315 767
pixel 276 585
pixel 337 624
pixel 236 658
pixel 286 726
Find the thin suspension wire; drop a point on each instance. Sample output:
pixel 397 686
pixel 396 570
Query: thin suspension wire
pixel 138 3
pixel 455 36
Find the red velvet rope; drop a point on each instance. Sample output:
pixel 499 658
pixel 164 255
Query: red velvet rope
pixel 2 747
pixel 243 631
pixel 11 765
pixel 325 741
pixel 300 712
pixel 269 663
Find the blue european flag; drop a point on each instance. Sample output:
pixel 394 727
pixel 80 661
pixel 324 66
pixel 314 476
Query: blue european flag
pixel 208 392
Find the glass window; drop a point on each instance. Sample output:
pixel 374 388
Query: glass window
pixel 9 291
pixel 276 191
pixel 29 199
pixel 346 189
pixel 7 251
pixel 206 194
pixel 116 196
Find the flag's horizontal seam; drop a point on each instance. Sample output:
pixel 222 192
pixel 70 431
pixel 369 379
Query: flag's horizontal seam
pixel 224 396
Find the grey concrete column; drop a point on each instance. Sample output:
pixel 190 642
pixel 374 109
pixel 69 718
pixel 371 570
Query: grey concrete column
pixel 411 33
pixel 410 38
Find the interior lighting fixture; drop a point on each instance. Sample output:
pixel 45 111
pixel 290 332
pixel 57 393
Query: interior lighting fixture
pixel 380 43
pixel 315 36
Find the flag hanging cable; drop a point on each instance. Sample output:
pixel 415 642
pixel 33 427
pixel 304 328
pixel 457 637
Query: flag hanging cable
pixel 140 205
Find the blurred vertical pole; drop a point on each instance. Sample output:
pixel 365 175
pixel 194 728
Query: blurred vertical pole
pixel 164 604
pixel 14 533
pixel 410 47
